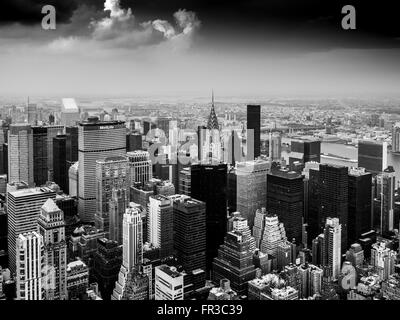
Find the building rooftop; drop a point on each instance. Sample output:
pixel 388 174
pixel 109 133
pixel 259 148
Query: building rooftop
pixel 69 105
pixel 30 191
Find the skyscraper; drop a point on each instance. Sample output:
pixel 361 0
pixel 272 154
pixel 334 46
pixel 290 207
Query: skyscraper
pixel 40 154
pixel 383 259
pixel 333 186
pixel 117 205
pixel 52 229
pixel 372 155
pixel 132 252
pixel 360 203
pixel 285 198
pixel 69 112
pixel 169 283
pixel 253 123
pixel 208 184
pixel 106 265
pixel 190 232
pixel 386 189
pixel 259 225
pixel 234 262
pixel 140 167
pixel 251 187
pixel 96 141
pixel 52 132
pixel 59 162
pixel 20 154
pixel 111 173
pixel 160 224
pixel 332 247
pixel 305 151
pixel 396 137
pixel 274 235
pixel 32 113
pixel 23 208
pixel 71 145
pixel 29 266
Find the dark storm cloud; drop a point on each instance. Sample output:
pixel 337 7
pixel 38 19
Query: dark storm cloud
pixel 255 21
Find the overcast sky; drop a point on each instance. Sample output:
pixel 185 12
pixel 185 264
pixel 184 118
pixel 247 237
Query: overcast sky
pixel 144 47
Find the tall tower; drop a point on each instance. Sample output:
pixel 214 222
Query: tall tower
pixel 60 172
pixel 285 198
pixel 97 140
pixel 132 256
pixel 20 154
pixel 30 263
pixel 40 154
pixel 386 189
pixel 251 187
pixel 360 203
pixel 23 208
pixel 211 150
pixel 253 131
pixel 140 167
pixel 111 173
pixel 333 187
pixel 235 262
pixel 52 229
pixel 208 184
pixel 332 247
pixel 190 247
pixel 160 224
pixel 117 206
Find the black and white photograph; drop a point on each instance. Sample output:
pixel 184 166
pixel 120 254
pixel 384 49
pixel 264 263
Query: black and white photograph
pixel 214 151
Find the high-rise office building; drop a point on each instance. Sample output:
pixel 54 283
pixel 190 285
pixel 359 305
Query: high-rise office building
pixel 20 154
pixel 69 112
pixel 251 187
pixel 169 283
pixel 185 181
pixel 383 259
pixel 29 266
pixel 360 203
pixel 396 137
pixel 259 225
pixel 32 113
pixel 59 161
pixel 237 222
pixel 333 187
pixel 160 224
pixel 190 232
pixel 372 155
pixel 140 167
pixel 106 264
pixel 23 208
pixel 111 173
pixel 208 184
pixel 305 151
pixel 73 180
pixel 253 131
pixel 285 198
pixel 52 132
pixel 117 205
pixel 77 279
pixel 386 189
pixel 332 247
pixel 235 262
pixel 133 141
pixel 96 141
pixel 310 280
pixel 40 155
pixel 71 147
pixel 52 229
pixel 274 235
pixel 128 285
